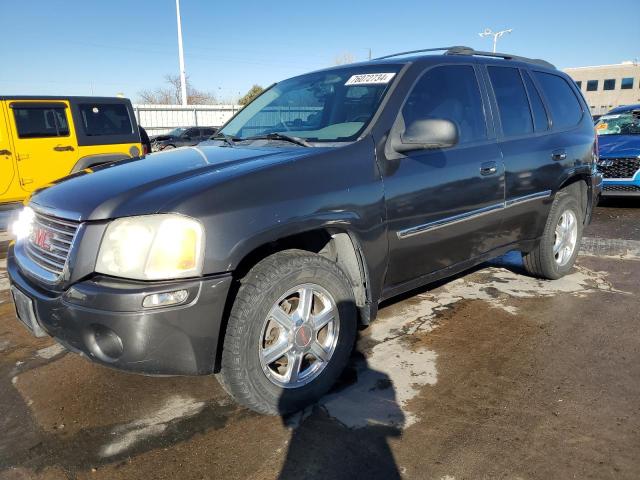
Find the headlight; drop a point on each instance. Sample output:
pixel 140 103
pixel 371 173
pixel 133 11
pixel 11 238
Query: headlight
pixel 152 247
pixel 23 226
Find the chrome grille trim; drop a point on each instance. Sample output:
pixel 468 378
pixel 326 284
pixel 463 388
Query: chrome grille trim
pixel 63 232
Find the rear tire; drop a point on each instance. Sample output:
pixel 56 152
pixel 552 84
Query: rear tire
pixel 276 358
pixel 556 253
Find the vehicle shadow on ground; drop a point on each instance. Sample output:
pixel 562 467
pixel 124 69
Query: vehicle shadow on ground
pixel 346 435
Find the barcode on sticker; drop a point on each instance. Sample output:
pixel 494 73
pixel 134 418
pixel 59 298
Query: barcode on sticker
pixel 370 78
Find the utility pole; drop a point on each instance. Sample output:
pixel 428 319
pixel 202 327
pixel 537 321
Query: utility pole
pixel 183 75
pixel 496 35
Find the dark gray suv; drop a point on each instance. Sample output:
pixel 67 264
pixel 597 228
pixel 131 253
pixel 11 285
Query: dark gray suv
pixel 257 257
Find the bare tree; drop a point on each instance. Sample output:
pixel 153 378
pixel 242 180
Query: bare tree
pixel 171 94
pixel 344 58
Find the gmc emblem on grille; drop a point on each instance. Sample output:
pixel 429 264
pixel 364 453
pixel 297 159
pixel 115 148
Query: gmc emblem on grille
pixel 42 238
pixel 605 162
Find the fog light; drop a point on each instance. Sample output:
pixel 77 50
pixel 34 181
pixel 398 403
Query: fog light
pixel 164 299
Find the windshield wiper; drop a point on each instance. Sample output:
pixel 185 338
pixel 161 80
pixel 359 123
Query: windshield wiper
pixel 281 136
pixel 228 139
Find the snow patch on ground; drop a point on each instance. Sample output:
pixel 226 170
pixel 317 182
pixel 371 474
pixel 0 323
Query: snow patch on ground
pixel 4 278
pixel 154 424
pixel 393 374
pixel 49 352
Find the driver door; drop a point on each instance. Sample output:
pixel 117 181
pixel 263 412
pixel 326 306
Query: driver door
pixel 444 206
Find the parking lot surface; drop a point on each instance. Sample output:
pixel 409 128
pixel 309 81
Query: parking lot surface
pixel 492 374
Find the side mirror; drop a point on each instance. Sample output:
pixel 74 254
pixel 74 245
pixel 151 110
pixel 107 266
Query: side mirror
pixel 427 135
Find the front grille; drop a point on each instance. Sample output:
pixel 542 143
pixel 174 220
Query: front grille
pixel 620 167
pixel 621 188
pixel 50 242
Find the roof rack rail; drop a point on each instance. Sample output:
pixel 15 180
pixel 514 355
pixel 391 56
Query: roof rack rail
pixel 462 50
pixel 506 56
pixel 423 50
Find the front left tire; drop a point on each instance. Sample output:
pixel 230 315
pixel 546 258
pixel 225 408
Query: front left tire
pixel 290 333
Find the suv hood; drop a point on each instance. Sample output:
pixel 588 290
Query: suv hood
pixel 619 146
pixel 143 186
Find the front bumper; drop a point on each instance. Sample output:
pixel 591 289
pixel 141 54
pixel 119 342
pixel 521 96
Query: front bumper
pixel 103 319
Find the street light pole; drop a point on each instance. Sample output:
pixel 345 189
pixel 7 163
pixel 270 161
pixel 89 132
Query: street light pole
pixel 496 35
pixel 183 75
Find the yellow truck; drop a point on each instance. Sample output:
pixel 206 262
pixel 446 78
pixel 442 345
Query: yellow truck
pixel 45 138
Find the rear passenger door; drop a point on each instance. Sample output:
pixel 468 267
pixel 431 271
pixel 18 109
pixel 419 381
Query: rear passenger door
pixel 443 206
pixel 535 152
pixel 526 143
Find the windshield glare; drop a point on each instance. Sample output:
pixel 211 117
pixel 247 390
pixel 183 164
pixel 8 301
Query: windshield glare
pixel 330 106
pixel 176 132
pixel 625 123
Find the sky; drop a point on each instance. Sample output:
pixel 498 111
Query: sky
pixel 108 47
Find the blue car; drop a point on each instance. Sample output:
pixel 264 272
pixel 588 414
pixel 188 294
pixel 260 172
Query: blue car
pixel 619 148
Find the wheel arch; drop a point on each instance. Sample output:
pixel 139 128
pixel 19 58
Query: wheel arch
pixel 578 186
pixel 99 159
pixel 339 245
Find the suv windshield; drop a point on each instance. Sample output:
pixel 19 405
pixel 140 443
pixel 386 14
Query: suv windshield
pixel 176 132
pixel 625 123
pixel 328 106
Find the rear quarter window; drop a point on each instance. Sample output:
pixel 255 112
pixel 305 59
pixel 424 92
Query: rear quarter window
pixel 563 104
pixel 105 119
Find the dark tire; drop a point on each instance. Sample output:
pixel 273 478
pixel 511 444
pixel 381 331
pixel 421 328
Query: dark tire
pixel 543 261
pixel 244 374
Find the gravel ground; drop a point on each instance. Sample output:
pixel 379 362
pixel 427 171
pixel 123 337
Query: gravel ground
pixel 491 374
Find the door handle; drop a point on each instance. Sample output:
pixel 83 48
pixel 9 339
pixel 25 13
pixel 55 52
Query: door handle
pixel 63 148
pixel 558 155
pixel 5 152
pixel 488 168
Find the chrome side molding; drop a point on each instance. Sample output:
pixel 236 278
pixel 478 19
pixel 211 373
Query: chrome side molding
pixel 462 217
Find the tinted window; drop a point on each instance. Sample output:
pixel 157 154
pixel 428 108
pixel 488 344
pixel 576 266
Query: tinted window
pixel 105 119
pixel 562 102
pixel 592 85
pixel 610 84
pixel 450 92
pixel 627 83
pixel 540 119
pixel 513 104
pixel 192 133
pixel 207 132
pixel 40 122
pixel 579 84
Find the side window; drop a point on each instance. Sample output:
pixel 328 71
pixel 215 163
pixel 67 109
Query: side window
pixel 207 132
pixel 449 92
pixel 41 122
pixel 105 119
pixel 563 104
pixel 513 105
pixel 540 120
pixel 192 133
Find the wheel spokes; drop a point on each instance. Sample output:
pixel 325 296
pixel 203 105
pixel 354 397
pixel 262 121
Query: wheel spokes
pixel 276 351
pixel 323 318
pixel 319 352
pixel 294 362
pixel 305 304
pixel 284 320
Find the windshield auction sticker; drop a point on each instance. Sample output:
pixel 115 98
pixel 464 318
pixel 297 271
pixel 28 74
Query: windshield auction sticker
pixel 370 78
